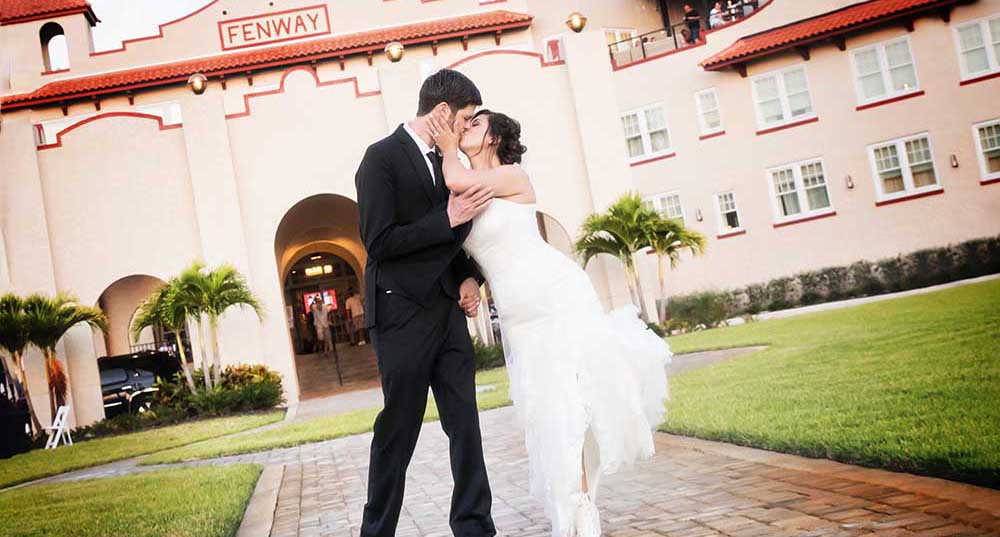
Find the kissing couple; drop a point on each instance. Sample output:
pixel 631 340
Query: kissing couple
pixel 588 387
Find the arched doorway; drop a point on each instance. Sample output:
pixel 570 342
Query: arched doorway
pixel 318 252
pixel 120 302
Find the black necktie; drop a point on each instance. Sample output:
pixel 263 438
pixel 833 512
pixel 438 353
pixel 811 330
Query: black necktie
pixel 437 163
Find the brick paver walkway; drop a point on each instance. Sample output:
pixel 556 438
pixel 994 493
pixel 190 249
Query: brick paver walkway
pixel 691 488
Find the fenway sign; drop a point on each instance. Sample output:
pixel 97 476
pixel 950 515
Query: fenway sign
pixel 274 27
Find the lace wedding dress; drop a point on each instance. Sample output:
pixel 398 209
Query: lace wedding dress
pixel 582 380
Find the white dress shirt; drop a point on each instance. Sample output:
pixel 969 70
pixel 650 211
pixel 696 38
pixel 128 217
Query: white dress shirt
pixel 424 149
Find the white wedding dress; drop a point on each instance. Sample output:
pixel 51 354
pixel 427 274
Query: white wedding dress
pixel 582 380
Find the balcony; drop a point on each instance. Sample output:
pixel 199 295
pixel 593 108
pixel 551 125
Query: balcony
pixel 676 36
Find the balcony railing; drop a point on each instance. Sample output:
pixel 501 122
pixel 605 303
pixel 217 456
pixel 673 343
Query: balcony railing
pixel 678 36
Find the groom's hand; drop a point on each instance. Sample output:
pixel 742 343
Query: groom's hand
pixel 465 206
pixel 469 299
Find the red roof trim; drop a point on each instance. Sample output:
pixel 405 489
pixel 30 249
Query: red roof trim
pixel 281 89
pixel 159 33
pixel 82 122
pixel 842 21
pixel 281 55
pixel 24 11
pixel 541 58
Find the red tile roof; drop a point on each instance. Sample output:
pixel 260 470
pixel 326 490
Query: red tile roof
pixel 332 47
pixel 827 25
pixel 15 11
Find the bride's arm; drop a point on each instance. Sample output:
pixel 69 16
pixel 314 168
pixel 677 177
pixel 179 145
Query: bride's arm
pixel 503 180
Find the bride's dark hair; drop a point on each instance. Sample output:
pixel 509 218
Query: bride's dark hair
pixel 507 132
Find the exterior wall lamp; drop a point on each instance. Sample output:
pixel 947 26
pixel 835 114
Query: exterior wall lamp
pixel 954 161
pixel 697 215
pixel 198 83
pixel 394 51
pixel 849 181
pixel 576 21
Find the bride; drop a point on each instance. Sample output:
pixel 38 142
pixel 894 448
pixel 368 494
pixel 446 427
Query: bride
pixel 588 387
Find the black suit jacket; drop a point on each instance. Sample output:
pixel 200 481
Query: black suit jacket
pixel 412 248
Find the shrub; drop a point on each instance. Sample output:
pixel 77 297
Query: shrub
pixel 812 287
pixel 657 329
pixel 487 356
pixel 864 279
pixel 922 268
pixel 779 292
pixel 242 388
pixel 837 282
pixel 705 309
pixel 891 272
pixel 757 299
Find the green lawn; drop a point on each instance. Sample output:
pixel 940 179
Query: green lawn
pixel 42 463
pixel 189 502
pixel 909 384
pixel 319 429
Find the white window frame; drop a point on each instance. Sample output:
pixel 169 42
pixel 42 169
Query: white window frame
pixel 904 164
pixel 562 47
pixel 883 65
pixel 705 129
pixel 618 37
pixel 720 219
pixel 980 154
pixel 657 199
pixel 984 28
pixel 800 191
pixel 786 111
pixel 647 147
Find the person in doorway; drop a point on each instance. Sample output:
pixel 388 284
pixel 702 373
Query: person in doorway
pixel 692 18
pixel 355 318
pixel 322 324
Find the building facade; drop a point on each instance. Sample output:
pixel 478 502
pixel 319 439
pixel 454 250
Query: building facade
pixel 795 135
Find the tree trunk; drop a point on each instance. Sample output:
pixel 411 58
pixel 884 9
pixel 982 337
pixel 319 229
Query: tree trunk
pixel 638 290
pixel 35 424
pixel 631 285
pixel 661 304
pixel 204 355
pixel 213 327
pixel 184 363
pixel 48 383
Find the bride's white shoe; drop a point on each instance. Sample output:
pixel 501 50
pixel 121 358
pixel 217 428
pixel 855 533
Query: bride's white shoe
pixel 588 520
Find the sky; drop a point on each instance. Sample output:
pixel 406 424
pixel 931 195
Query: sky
pixel 128 19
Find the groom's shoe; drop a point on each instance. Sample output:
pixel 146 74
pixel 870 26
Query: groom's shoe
pixel 588 520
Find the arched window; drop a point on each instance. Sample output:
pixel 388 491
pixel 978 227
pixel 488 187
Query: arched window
pixel 55 53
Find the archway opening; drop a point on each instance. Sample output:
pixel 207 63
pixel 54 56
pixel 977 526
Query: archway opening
pixel 319 253
pixel 55 51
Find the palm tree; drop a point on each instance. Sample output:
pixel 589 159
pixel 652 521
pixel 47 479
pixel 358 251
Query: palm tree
pixel 190 290
pixel 211 294
pixel 48 320
pixel 668 238
pixel 226 288
pixel 164 308
pixel 621 232
pixel 13 340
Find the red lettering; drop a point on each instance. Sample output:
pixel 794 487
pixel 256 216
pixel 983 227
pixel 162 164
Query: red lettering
pixel 247 36
pixel 264 29
pixel 315 20
pixel 232 34
pixel 283 26
pixel 299 22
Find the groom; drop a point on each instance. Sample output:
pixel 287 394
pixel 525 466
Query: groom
pixel 417 283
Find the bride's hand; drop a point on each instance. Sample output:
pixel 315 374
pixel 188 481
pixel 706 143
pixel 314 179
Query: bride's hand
pixel 445 134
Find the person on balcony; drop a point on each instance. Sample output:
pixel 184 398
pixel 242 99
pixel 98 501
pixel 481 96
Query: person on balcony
pixel 692 18
pixel 716 17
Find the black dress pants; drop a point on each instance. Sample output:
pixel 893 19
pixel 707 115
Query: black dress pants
pixel 420 347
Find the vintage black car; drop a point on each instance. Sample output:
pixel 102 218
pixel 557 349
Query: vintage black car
pixel 128 380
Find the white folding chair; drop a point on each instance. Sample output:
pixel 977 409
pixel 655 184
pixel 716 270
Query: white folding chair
pixel 58 430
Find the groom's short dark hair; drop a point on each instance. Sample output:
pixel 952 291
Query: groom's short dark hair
pixel 448 86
